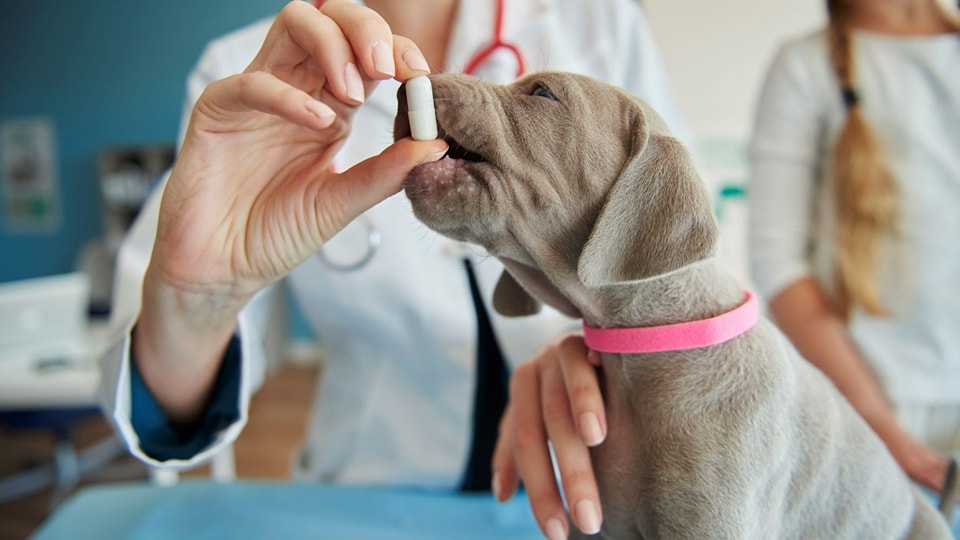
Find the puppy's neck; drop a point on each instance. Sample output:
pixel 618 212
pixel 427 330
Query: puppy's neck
pixel 698 291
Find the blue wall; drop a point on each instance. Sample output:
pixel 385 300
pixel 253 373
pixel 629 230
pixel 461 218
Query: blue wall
pixel 106 73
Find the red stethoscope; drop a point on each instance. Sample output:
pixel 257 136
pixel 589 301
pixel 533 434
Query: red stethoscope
pixel 473 64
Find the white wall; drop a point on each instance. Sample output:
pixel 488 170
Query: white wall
pixel 716 53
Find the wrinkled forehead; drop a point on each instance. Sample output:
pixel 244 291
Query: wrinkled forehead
pixel 594 98
pixel 569 87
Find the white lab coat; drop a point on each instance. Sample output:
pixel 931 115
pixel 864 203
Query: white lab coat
pixel 395 399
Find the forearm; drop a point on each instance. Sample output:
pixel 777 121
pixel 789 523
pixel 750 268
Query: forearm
pixel 804 314
pixel 178 344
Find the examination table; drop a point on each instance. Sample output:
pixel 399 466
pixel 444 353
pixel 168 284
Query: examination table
pixel 270 510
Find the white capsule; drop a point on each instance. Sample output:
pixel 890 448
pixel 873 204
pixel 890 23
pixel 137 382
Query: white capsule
pixel 420 109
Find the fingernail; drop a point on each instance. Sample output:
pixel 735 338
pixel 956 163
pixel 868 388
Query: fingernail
pixel 590 429
pixel 496 486
pixel 354 83
pixel 436 154
pixel 555 530
pixel 415 60
pixel 321 111
pixel 383 59
pixel 588 519
pixel 593 357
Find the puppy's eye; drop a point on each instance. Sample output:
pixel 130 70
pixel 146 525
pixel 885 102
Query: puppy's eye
pixel 542 91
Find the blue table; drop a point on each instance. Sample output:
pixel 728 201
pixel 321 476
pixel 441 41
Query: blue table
pixel 196 509
pixel 252 510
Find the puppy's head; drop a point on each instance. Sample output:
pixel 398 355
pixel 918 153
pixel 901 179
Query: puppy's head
pixel 569 181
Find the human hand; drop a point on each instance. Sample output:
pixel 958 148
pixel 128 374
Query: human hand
pixel 555 396
pixel 921 463
pixel 252 194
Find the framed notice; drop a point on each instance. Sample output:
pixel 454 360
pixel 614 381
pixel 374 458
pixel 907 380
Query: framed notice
pixel 28 172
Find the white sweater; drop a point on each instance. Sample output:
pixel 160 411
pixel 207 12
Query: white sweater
pixel 909 89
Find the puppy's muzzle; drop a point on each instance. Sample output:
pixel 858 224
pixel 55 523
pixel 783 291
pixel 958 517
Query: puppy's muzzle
pixel 401 126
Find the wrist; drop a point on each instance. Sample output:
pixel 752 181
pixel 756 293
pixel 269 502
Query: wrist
pixel 882 420
pixel 184 326
pixel 179 341
pixel 193 309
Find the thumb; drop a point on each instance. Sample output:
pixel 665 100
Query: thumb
pixel 367 183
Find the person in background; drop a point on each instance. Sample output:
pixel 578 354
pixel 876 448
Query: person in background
pixel 854 198
pixel 288 173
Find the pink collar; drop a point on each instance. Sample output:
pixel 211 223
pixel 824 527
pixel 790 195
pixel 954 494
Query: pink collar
pixel 675 337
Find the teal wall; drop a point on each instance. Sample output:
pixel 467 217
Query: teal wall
pixel 107 72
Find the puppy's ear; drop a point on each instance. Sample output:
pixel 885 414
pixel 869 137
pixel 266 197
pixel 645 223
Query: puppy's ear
pixel 657 217
pixel 512 300
pixel 521 289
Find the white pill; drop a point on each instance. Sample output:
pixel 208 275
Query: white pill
pixel 420 109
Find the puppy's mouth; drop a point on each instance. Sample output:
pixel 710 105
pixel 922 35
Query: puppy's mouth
pixel 451 195
pixel 456 150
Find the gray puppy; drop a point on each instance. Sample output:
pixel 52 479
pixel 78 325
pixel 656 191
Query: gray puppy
pixel 594 209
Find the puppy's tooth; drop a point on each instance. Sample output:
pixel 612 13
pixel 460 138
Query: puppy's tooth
pixel 420 109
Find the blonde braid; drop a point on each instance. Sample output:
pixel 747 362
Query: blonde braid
pixel 865 195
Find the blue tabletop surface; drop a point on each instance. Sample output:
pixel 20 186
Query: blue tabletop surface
pixel 199 509
pixel 204 509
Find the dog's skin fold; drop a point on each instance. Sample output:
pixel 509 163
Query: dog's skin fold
pixel 594 209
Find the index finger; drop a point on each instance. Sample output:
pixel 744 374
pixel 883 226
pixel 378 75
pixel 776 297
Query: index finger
pixel 583 389
pixel 532 453
pixel 308 49
pixel 369 36
pixel 410 61
pixel 346 47
pixel 379 52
